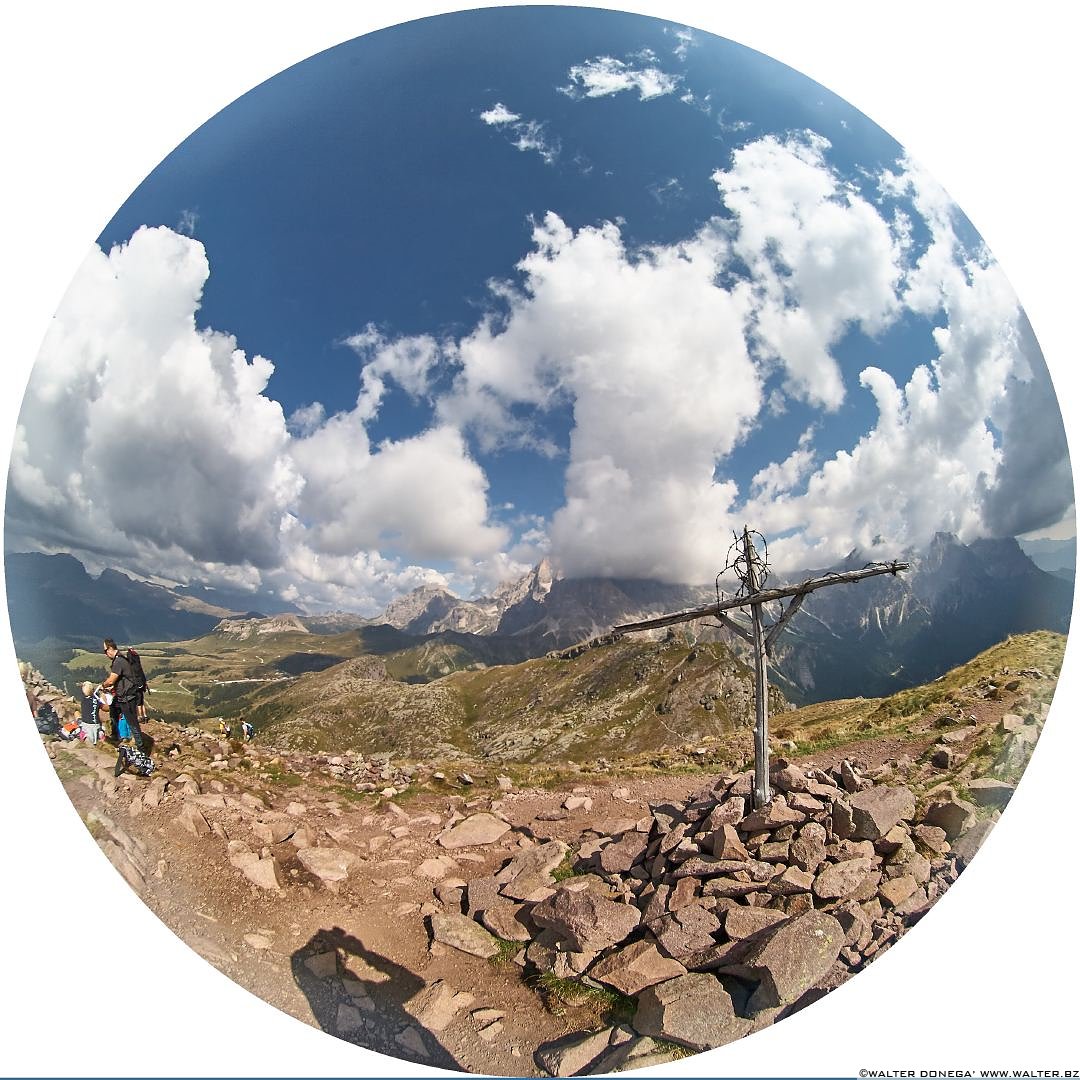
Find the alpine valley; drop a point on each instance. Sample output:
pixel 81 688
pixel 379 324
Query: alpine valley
pixel 505 676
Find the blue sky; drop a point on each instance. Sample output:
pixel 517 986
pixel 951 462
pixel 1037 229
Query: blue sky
pixel 489 258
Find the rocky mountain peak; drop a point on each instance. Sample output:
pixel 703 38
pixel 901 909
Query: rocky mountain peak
pixel 424 604
pixel 273 624
pixel 535 585
pixel 1003 557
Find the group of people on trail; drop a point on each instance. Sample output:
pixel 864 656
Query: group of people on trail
pixel 115 709
pixel 247 732
pixel 118 704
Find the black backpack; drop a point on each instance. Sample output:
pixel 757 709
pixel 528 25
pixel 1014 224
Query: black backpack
pixel 137 669
pixel 48 723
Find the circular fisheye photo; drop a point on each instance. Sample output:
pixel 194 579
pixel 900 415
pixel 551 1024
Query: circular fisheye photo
pixel 540 542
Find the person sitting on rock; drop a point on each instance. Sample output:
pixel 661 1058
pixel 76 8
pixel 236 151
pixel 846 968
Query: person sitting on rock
pixel 90 712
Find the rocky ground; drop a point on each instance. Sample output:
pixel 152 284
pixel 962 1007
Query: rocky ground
pixel 507 930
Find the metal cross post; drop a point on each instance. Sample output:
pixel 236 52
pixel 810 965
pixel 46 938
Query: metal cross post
pixel 750 569
pixel 761 676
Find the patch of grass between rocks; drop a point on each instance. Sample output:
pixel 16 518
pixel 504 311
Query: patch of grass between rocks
pixel 603 1005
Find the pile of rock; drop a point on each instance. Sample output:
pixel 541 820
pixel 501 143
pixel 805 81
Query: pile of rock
pixel 374 775
pixel 718 918
pixel 40 692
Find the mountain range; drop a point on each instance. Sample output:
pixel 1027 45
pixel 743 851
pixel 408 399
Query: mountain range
pixel 1054 556
pixel 869 638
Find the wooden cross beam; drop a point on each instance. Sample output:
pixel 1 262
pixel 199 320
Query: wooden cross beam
pixel 760 636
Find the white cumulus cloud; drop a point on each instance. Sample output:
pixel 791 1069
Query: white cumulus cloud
pixel 606 75
pixel 972 443
pixel 154 443
pixel 140 432
pixel 652 355
pixel 821 257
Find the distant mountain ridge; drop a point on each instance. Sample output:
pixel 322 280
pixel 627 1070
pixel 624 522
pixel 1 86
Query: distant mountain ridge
pixel 1053 556
pixel 887 633
pixel 432 610
pixel 870 638
pixel 261 625
pixel 53 596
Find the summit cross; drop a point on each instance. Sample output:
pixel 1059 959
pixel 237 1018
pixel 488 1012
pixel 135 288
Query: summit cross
pixel 750 570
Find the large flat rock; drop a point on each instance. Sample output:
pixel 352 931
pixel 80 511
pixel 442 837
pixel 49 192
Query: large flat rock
pixel 773 816
pixel 573 1053
pixel 530 871
pixel 327 863
pixel 460 932
pixel 967 845
pixel 262 872
pixel 587 921
pixel 437 1004
pixel 693 1010
pixel 632 969
pixel 877 809
pixel 841 879
pixel 791 959
pixel 475 831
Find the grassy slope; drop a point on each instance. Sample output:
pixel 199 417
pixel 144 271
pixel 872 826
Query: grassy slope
pixel 833 722
pixel 628 698
pixel 633 701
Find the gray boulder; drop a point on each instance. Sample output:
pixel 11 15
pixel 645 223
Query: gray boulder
pixel 841 879
pixel 632 969
pixel 436 1005
pixel 808 851
pixel 587 921
pixel 951 814
pixel 507 921
pixel 482 893
pixel 262 872
pixel 791 959
pixel 724 843
pixel 693 1010
pixel 986 791
pixel 686 931
pixel 460 932
pixel 475 831
pixel 573 1053
pixel 641 1052
pixel 530 871
pixel 773 816
pixel 968 844
pixel 744 922
pixel 620 856
pixel 274 831
pixel 193 820
pixel 877 809
pixel 328 864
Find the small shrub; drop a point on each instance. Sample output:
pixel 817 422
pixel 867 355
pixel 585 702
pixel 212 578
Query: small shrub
pixel 507 951
pixel 565 869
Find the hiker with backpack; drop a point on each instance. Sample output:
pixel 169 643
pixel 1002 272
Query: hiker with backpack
pixel 140 677
pixel 124 683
